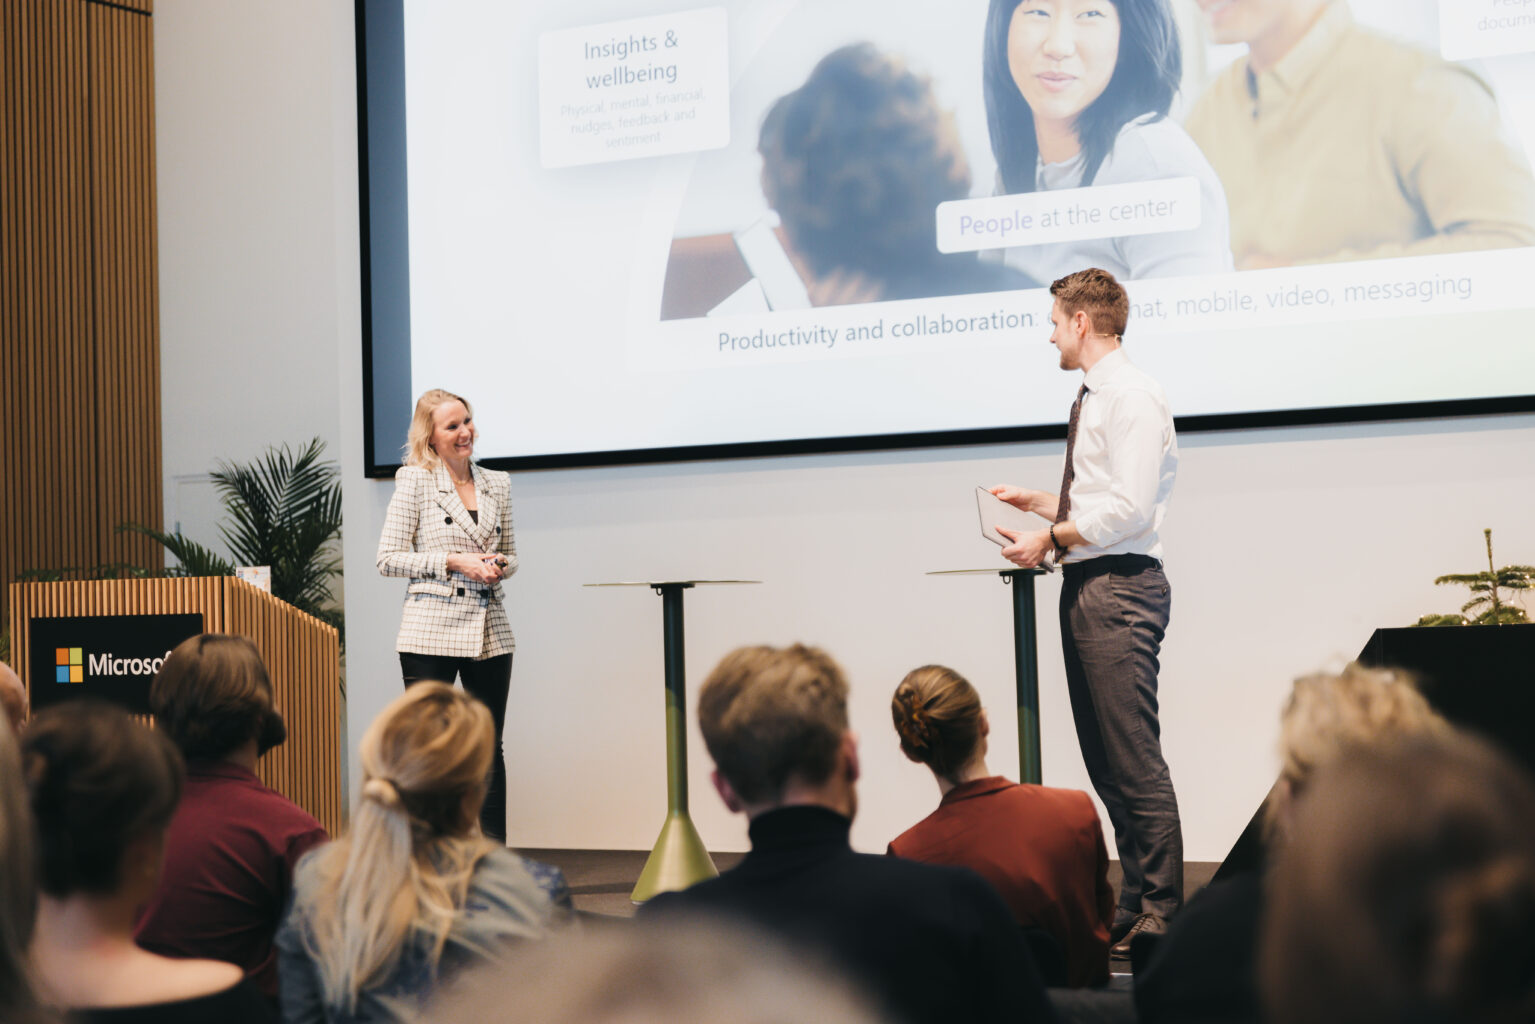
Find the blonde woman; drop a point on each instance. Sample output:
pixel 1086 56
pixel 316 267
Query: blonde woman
pixel 449 528
pixel 413 892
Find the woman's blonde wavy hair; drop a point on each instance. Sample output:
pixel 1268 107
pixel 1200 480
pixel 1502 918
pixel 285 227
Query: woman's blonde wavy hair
pixel 418 441
pixel 403 869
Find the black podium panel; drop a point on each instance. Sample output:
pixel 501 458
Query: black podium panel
pixel 1480 678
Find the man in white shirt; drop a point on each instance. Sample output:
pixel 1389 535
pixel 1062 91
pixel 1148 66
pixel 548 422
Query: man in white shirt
pixel 1121 458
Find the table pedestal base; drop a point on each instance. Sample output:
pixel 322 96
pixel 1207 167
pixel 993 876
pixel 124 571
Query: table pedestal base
pixel 676 861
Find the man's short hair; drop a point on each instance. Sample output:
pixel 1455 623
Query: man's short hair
pixel 773 714
pixel 1096 293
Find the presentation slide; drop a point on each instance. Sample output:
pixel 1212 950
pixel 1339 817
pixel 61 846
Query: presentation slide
pixel 644 225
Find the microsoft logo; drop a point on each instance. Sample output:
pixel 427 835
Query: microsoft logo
pixel 68 665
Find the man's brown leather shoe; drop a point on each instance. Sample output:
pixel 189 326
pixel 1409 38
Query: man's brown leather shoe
pixel 1146 924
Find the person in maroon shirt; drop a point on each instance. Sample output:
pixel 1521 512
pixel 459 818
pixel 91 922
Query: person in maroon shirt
pixel 233 844
pixel 1041 848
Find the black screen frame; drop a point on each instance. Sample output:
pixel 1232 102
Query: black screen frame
pixel 384 237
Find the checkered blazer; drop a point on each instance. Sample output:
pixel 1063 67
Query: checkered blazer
pixel 447 613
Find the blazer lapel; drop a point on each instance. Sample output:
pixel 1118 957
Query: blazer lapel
pixel 449 501
pixel 484 531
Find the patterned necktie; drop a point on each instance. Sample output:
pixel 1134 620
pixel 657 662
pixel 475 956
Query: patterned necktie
pixel 1063 508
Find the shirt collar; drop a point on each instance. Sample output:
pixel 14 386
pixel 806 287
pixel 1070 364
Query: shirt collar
pixel 975 787
pixel 1305 58
pixel 219 769
pixel 1105 368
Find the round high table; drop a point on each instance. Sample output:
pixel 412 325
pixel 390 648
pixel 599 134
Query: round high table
pixel 1025 661
pixel 678 859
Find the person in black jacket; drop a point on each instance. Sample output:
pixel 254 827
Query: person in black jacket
pixel 930 943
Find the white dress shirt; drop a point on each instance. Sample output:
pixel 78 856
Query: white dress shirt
pixel 1124 459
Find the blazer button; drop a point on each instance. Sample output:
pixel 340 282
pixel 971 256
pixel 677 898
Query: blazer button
pixel 447 520
pixel 460 591
pixel 498 529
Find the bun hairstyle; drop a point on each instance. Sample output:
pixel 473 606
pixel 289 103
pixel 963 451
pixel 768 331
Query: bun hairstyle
pixel 98 780
pixel 937 715
pixel 213 695
pixel 404 868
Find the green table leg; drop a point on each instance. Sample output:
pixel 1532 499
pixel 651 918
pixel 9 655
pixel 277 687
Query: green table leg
pixel 678 859
pixel 1026 671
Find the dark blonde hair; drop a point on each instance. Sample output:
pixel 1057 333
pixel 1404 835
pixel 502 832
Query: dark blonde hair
pixel 98 780
pixel 1096 293
pixel 213 695
pixel 1329 713
pixel 418 440
pixel 772 714
pixel 404 867
pixel 937 715
pixel 1407 890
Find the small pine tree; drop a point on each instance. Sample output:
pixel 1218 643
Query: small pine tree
pixel 1487 601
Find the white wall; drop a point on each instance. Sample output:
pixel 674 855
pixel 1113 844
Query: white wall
pixel 1286 547
pixel 249 146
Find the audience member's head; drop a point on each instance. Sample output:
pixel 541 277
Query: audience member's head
pixel 18 886
pixel 939 719
pixel 404 868
pixel 213 698
pixel 690 972
pixel 103 788
pixel 775 722
pixel 1406 891
pixel 1329 713
pixel 856 161
pixel 13 697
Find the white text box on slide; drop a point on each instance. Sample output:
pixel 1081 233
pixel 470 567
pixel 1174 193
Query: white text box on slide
pixel 1069 215
pixel 635 88
pixel 1485 28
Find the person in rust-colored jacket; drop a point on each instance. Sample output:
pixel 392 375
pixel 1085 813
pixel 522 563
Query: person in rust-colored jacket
pixel 1041 848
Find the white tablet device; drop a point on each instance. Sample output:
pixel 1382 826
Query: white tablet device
pixel 995 512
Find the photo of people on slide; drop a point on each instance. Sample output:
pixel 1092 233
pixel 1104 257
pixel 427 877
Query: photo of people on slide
pixel 1337 142
pixel 1304 131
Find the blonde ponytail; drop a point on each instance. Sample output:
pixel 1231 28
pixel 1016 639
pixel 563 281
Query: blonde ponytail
pixel 404 867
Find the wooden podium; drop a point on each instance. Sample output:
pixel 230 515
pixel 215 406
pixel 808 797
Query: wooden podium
pixel 302 654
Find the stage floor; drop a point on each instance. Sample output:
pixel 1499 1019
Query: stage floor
pixel 601 880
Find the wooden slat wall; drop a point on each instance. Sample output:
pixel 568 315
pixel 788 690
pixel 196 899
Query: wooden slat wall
pixel 79 322
pixel 124 280
pixel 303 657
pixel 302 654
